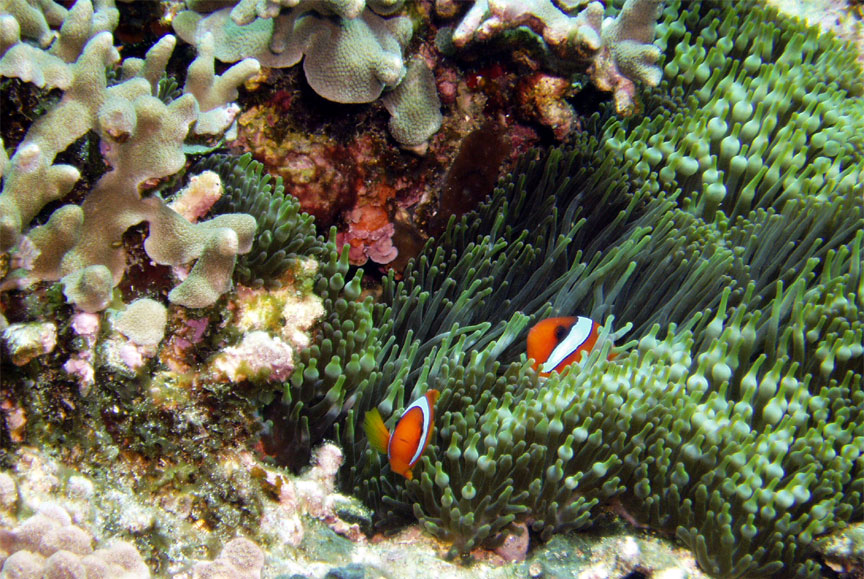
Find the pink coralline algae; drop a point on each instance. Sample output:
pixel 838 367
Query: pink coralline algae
pixel 370 236
pixel 515 545
pixel 86 325
pixel 356 184
pixel 131 356
pixel 80 364
pixel 259 355
pixel 124 354
pixel 315 169
pixel 82 369
pixel 196 199
pixel 311 494
pixel 180 346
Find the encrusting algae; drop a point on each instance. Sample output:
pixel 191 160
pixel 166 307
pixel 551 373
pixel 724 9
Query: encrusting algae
pixel 684 269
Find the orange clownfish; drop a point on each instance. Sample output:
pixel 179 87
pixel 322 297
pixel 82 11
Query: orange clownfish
pixel 410 437
pixel 555 343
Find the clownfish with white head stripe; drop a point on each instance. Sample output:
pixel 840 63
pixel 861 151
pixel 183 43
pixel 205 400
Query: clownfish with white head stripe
pixel 410 437
pixel 555 343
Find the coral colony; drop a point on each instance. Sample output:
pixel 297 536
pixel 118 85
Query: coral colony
pixel 475 278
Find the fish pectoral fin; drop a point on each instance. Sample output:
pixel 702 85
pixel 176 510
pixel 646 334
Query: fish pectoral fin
pixel 376 431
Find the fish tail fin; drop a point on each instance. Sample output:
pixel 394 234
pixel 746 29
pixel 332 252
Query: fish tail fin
pixel 376 431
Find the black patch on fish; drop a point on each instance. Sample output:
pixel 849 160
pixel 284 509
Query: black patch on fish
pixel 561 333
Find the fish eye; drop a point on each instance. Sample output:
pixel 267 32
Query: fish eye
pixel 560 332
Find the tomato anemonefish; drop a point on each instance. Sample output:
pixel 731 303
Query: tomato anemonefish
pixel 410 437
pixel 555 343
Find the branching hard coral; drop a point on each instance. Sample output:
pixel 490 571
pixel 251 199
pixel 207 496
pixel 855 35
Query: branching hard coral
pixel 142 140
pixel 215 94
pixel 628 53
pixel 363 55
pixel 414 107
pixel 734 418
pixel 352 61
pixel 22 21
pixel 350 52
pixel 284 232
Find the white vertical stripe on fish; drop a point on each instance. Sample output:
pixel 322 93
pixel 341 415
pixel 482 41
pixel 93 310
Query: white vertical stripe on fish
pixel 580 332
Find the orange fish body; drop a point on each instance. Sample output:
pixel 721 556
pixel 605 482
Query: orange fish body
pixel 555 343
pixel 410 437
